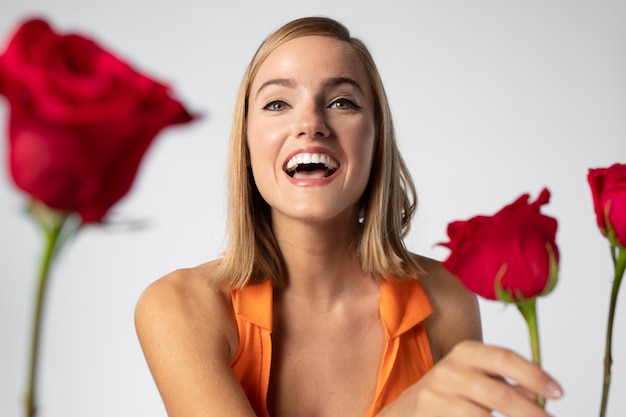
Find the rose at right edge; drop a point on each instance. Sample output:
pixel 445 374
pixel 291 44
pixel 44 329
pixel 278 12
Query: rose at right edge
pixel 608 188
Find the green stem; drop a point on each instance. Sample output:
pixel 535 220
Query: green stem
pixel 52 241
pixel 620 265
pixel 529 311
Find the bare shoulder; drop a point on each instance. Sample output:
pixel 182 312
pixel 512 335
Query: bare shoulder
pixel 190 284
pixel 187 333
pixel 456 314
pixel 182 298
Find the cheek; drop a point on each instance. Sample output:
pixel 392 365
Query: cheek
pixel 263 149
pixel 263 133
pixel 364 148
pixel 261 169
pixel 259 143
pixel 260 160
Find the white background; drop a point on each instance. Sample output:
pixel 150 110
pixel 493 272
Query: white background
pixel 491 99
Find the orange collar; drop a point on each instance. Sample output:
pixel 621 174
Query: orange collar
pixel 403 304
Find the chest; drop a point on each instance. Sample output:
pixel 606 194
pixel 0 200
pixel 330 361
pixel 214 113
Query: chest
pixel 324 364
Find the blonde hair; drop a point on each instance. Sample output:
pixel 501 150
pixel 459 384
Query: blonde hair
pixel 388 203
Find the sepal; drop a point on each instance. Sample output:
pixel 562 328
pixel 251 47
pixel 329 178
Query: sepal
pixel 553 277
pixel 48 218
pixel 609 232
pixel 58 225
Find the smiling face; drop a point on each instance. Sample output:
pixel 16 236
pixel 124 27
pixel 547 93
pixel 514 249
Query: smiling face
pixel 311 129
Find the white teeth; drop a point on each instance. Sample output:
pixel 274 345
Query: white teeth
pixel 311 158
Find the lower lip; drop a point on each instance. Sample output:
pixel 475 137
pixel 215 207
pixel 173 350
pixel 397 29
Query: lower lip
pixel 311 182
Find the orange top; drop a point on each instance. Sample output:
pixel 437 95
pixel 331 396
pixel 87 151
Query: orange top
pixel 406 358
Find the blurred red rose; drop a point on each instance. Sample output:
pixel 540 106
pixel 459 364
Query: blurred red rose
pixel 608 187
pixel 80 119
pixel 514 249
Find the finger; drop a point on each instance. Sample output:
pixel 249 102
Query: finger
pixel 497 395
pixel 474 385
pixel 433 401
pixel 525 392
pixel 457 406
pixel 506 363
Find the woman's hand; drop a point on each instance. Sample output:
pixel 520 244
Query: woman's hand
pixel 473 380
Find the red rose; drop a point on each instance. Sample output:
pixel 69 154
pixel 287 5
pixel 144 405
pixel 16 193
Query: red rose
pixel 80 120
pixel 514 249
pixel 608 187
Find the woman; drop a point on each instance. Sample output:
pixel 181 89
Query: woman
pixel 317 308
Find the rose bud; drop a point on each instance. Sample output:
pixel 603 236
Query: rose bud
pixel 510 256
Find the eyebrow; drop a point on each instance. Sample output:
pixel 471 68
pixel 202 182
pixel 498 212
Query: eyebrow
pixel 285 82
pixel 291 83
pixel 334 82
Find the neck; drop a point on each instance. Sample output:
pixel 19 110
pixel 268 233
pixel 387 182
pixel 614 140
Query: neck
pixel 320 259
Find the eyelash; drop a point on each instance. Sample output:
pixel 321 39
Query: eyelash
pixel 350 104
pixel 270 106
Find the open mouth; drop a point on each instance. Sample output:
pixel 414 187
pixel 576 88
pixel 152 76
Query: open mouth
pixel 311 166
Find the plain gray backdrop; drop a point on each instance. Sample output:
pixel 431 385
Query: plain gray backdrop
pixel 491 99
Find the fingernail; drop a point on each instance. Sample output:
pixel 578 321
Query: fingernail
pixel 553 390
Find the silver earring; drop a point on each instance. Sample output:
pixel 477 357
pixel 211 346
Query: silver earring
pixel 361 215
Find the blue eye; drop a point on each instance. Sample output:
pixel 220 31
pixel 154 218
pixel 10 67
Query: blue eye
pixel 276 105
pixel 344 104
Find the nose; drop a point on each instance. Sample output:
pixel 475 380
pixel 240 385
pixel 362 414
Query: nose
pixel 311 122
